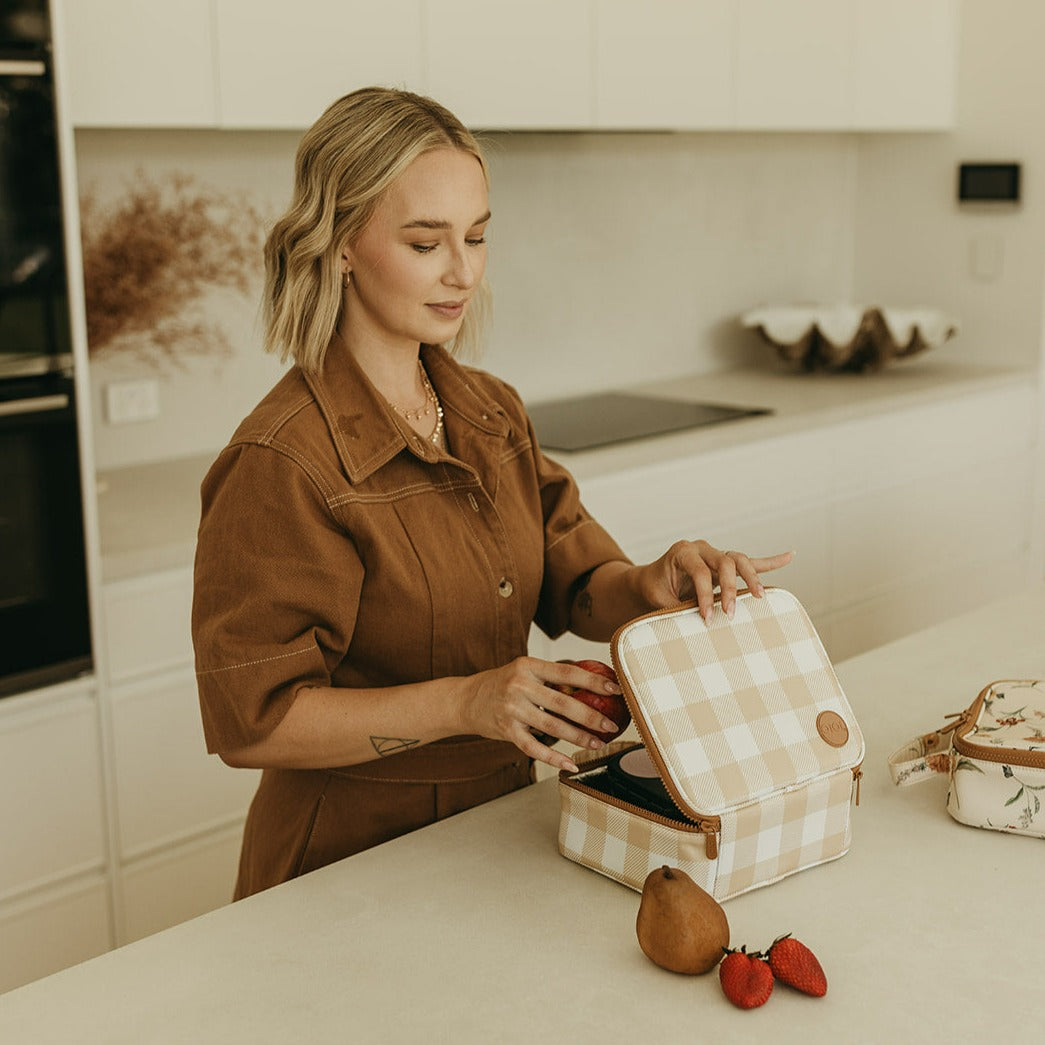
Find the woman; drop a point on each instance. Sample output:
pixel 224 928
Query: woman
pixel 382 530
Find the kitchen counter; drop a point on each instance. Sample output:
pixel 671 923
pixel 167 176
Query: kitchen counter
pixel 148 514
pixel 477 930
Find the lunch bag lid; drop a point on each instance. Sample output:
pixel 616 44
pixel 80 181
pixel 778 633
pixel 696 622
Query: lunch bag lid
pixel 738 709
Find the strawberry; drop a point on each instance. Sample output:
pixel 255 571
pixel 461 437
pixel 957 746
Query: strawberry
pixel 793 963
pixel 746 978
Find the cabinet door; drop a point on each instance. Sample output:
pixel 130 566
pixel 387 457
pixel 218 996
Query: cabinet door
pixel 51 813
pixel 147 623
pixel 794 64
pixel 664 64
pixel 168 788
pixel 905 64
pixel 53 930
pixel 511 65
pixel 281 65
pixel 137 63
pixel 179 884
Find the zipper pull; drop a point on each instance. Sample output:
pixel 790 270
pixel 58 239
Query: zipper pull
pixel 858 775
pixel 710 839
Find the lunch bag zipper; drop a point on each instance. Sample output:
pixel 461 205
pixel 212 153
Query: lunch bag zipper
pixel 965 722
pixel 708 826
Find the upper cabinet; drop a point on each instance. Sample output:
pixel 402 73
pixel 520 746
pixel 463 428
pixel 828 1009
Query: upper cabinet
pixel 845 64
pixel 513 64
pixel 906 63
pixel 137 63
pixel 281 65
pixel 540 65
pixel 662 64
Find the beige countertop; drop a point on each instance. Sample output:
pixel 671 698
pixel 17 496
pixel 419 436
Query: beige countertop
pixel 148 514
pixel 477 930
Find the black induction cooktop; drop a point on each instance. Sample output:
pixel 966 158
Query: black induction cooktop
pixel 585 422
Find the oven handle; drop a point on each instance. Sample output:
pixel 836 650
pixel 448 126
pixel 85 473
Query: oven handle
pixel 37 405
pixel 16 67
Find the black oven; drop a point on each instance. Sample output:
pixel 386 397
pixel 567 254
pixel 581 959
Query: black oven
pixel 34 319
pixel 44 620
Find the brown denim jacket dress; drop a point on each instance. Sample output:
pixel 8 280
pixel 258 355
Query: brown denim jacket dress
pixel 337 547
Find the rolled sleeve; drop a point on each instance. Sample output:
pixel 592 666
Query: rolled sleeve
pixel 276 592
pixel 574 543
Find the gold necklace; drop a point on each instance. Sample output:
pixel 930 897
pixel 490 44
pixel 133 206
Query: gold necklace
pixel 425 410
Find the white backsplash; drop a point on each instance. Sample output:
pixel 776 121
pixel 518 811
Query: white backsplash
pixel 614 259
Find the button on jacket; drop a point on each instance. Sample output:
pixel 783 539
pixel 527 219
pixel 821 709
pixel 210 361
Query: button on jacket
pixel 339 548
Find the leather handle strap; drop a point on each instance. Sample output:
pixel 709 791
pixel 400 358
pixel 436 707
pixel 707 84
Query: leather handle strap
pixel 924 756
pixel 919 759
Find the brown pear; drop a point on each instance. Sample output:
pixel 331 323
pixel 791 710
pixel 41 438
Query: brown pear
pixel 680 926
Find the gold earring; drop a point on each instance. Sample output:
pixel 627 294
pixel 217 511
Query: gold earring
pixel 348 279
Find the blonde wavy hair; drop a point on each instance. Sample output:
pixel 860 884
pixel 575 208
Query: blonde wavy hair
pixel 344 163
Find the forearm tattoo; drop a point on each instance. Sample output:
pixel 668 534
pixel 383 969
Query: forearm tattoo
pixel 583 600
pixel 385 746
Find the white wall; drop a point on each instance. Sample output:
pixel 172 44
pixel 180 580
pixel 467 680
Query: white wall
pixel 915 244
pixel 614 259
pixel 617 258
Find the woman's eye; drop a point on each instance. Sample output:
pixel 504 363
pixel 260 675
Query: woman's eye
pixel 423 248
pixel 476 242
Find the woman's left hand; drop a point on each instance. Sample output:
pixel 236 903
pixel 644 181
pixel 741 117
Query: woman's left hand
pixel 692 569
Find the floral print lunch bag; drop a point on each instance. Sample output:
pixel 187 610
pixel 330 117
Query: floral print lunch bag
pixel 995 761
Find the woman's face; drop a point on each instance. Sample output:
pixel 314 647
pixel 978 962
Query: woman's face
pixel 417 263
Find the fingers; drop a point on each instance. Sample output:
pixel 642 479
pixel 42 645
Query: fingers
pixel 706 567
pixel 560 715
pixel 523 701
pixel 773 562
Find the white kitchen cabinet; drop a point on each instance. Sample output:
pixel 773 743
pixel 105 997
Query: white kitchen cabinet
pixel 846 64
pixel 662 64
pixel 898 519
pixel 53 929
pixel 179 810
pixel 540 65
pixel 168 789
pixel 147 624
pixel 54 858
pixel 905 65
pixel 51 792
pixel 512 65
pixel 794 64
pixel 179 883
pixel 281 65
pixel 138 63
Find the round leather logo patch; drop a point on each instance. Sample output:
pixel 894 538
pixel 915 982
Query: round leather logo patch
pixel 831 726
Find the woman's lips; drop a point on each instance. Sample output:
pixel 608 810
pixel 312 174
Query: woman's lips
pixel 448 309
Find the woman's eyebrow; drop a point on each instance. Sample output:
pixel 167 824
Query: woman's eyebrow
pixel 433 223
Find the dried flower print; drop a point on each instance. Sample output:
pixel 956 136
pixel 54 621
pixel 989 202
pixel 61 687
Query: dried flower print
pixel 150 257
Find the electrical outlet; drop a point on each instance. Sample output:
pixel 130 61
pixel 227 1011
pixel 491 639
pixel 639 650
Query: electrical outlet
pixel 130 401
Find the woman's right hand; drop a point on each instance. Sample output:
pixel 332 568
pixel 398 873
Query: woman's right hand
pixel 513 703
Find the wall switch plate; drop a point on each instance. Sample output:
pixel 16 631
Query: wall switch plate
pixel 130 401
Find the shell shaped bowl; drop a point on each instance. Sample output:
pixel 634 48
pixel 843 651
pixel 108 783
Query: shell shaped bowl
pixel 849 338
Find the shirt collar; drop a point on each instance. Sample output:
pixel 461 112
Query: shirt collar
pixel 368 433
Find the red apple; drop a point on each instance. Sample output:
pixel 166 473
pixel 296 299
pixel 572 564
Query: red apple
pixel 612 705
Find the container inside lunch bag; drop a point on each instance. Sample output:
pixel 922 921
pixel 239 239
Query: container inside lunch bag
pixel 631 776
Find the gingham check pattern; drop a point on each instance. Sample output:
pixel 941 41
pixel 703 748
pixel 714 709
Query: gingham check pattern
pixel 784 833
pixel 732 707
pixel 626 847
pixel 759 844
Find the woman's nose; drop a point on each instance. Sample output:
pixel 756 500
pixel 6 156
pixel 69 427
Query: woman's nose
pixel 463 268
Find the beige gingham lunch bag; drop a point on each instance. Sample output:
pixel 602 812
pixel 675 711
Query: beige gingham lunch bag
pixel 752 737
